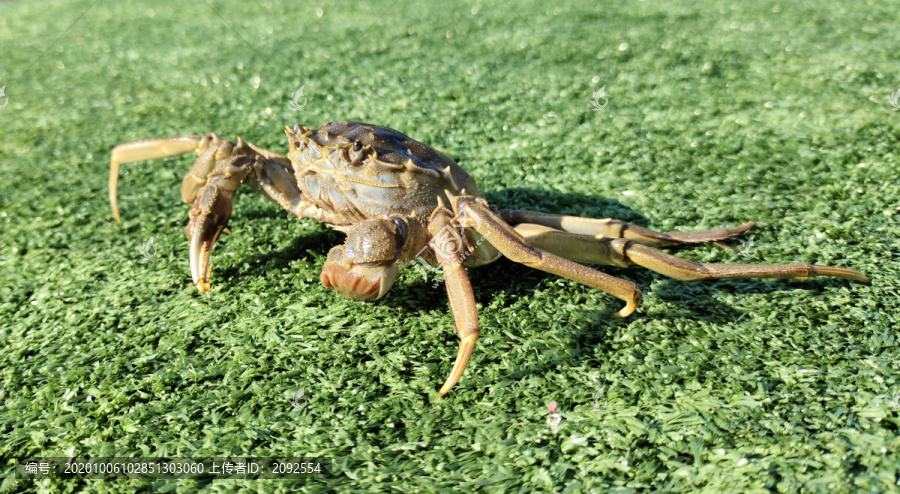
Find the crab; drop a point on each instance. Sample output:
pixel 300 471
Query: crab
pixel 399 201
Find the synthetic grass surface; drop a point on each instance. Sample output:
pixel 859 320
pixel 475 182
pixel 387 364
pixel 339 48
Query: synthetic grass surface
pixel 714 114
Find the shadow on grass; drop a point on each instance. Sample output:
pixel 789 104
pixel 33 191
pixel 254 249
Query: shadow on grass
pixel 565 203
pixel 256 264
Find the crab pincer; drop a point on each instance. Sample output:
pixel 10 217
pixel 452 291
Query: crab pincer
pixel 209 216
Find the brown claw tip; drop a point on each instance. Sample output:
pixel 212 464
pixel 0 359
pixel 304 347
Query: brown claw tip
pixel 466 347
pixel 740 229
pixel 852 274
pixel 727 246
pixel 859 277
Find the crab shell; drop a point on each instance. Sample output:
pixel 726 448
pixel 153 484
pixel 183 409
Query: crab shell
pixel 358 172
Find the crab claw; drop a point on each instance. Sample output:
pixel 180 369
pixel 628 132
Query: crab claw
pixel 368 281
pixel 211 212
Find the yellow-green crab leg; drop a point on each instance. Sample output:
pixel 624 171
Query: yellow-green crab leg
pixel 459 291
pixel 148 149
pixel 220 168
pixel 514 246
pixel 623 253
pixel 612 228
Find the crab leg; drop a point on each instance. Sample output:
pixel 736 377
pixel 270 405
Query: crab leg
pixel 213 204
pixel 211 149
pixel 619 229
pixel 623 253
pixel 459 290
pixel 221 167
pixel 514 246
pixel 148 149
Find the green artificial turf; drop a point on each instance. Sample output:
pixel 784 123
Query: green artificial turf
pixel 717 113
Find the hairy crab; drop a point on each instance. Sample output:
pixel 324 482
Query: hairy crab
pixel 398 200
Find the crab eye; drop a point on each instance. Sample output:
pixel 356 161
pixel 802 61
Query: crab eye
pixel 357 145
pixel 402 233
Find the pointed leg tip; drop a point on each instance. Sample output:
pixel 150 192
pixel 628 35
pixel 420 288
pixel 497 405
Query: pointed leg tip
pixel 625 312
pixel 114 206
pixel 630 306
pixel 740 229
pixel 851 274
pixel 448 385
pixel 466 347
pixel 726 246
pixel 861 278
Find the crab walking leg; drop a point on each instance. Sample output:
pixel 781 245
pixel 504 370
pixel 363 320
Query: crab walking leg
pixel 459 291
pixel 148 149
pixel 211 150
pixel 623 253
pixel 514 246
pixel 619 229
pixel 221 167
